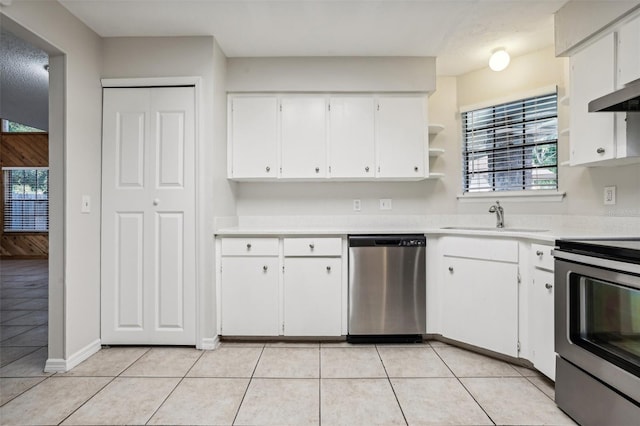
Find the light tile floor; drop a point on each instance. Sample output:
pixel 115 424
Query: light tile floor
pixel 258 383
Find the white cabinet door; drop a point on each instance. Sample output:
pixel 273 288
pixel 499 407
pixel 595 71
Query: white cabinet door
pixel 592 75
pixel 303 140
pixel 249 299
pixel 312 296
pixel 253 136
pixel 351 137
pixel 541 323
pixel 629 52
pixel 148 216
pixel 401 137
pixel 480 303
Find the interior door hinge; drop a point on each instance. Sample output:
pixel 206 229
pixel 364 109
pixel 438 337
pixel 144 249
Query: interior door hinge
pixel 518 346
pixel 519 278
pixel 280 107
pixel 329 107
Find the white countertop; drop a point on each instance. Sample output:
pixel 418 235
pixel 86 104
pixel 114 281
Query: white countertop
pixel 554 227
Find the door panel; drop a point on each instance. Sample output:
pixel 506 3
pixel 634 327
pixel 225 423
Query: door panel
pixel 130 146
pixel 129 271
pixel 148 216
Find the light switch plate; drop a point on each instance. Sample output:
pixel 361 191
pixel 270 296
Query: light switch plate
pixel 609 195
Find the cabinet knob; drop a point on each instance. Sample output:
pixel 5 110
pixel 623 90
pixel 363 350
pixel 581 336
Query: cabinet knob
pixel 451 269
pixel 317 169
pixel 268 169
pixel 600 150
pixel 248 246
pixel 548 286
pixel 312 246
pixel 328 268
pixel 156 201
pixel 539 253
pixel 366 169
pixel 265 268
pixel 415 169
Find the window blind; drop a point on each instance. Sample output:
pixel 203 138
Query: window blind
pixel 511 146
pixel 26 199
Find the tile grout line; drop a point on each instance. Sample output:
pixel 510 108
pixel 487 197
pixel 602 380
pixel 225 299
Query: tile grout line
pixel 465 388
pixel 540 389
pixel 248 384
pixel 27 389
pixel 174 388
pixel 102 388
pixel 392 388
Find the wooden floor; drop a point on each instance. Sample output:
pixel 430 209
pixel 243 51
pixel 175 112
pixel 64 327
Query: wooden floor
pixel 24 303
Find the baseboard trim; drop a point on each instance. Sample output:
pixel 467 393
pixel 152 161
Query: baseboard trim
pixel 58 365
pixel 209 343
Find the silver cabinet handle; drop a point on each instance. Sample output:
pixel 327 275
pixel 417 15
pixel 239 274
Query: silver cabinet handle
pixel 548 286
pixel 265 268
pixel 366 169
pixel 450 268
pixel 248 246
pixel 312 246
pixel 156 201
pixel 539 252
pixel 268 169
pixel 600 150
pixel 328 268
pixel 415 169
pixel 317 169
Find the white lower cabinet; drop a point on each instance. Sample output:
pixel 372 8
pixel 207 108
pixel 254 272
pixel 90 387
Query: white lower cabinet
pixel 479 292
pixel 480 303
pixel 249 278
pixel 541 313
pixel 312 296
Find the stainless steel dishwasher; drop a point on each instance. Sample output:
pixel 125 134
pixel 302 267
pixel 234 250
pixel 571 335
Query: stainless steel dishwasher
pixel 387 286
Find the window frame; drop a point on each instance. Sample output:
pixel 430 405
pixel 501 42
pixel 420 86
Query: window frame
pixel 493 169
pixel 5 203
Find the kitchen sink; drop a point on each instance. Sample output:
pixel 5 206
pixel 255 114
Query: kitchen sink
pixel 493 228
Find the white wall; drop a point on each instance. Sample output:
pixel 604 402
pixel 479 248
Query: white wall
pixel 137 57
pixel 75 250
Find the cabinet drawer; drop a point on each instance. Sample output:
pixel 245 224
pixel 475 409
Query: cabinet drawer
pixel 249 246
pixel 312 247
pixel 542 257
pixel 481 248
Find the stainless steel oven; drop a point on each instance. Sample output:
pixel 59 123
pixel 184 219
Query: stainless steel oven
pixel 597 330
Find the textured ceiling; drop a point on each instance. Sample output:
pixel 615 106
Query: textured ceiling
pixel 24 83
pixel 460 33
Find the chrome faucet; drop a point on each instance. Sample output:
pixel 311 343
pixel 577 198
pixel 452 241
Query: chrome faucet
pixel 499 211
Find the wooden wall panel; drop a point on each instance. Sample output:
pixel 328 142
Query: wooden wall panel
pixel 22 150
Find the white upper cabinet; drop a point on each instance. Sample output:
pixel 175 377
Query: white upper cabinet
pixel 401 128
pixel 592 135
pixel 351 137
pixel 629 52
pixel 253 133
pixel 303 141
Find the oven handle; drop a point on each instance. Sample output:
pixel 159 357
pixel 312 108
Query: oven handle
pixel 615 265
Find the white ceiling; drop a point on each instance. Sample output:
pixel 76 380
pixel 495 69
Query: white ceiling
pixel 460 33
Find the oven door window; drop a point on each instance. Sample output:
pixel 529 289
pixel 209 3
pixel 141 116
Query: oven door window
pixel 605 320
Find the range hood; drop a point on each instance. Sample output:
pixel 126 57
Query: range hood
pixel 626 99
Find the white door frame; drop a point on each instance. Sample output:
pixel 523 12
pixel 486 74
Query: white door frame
pixel 201 341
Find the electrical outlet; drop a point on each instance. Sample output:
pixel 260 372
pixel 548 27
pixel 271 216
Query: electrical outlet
pixel 609 195
pixel 385 204
pixel 357 205
pixel 86 204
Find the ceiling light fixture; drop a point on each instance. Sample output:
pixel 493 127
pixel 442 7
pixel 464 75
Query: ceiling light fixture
pixel 499 59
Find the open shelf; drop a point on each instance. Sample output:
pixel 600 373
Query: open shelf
pixel 435 175
pixel 436 152
pixel 564 100
pixel 564 132
pixel 434 129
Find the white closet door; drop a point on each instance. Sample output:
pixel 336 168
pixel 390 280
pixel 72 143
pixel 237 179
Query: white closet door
pixel 148 216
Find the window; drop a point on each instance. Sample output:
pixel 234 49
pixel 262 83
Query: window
pixel 26 199
pixel 512 146
pixel 13 127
